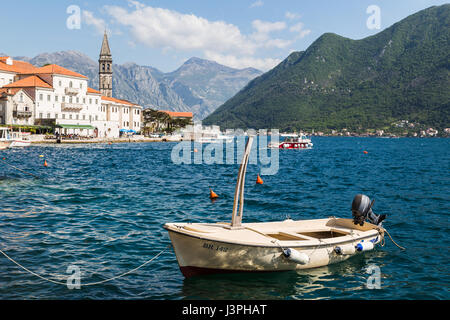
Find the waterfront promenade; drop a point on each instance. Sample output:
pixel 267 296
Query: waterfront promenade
pixel 98 140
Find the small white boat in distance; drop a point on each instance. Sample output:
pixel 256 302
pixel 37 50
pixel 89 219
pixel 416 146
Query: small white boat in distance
pixel 293 141
pixel 172 138
pixel 17 138
pixel 204 248
pixel 215 139
pixel 20 139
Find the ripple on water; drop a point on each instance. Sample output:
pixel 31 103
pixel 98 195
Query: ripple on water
pixel 102 207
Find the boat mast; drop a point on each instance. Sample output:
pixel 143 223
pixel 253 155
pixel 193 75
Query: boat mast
pixel 239 191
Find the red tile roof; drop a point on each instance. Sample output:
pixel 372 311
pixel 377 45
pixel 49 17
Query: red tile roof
pixel 55 69
pixel 17 66
pixel 118 101
pixel 31 81
pixel 174 114
pixel 90 90
pixel 11 91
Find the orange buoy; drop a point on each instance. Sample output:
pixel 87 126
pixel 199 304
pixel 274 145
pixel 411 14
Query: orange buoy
pixel 195 150
pixel 259 180
pixel 212 194
pixel 365 152
pixel 45 163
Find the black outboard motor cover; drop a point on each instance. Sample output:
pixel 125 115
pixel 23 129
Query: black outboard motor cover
pixel 362 210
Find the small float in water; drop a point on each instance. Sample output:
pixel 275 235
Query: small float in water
pixel 204 248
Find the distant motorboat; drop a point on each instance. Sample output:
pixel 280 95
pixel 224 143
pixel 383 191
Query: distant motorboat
pixel 293 141
pixel 172 138
pixel 215 138
pixel 204 134
pixel 17 139
pixel 21 139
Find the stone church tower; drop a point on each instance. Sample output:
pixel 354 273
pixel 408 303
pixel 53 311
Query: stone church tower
pixel 105 69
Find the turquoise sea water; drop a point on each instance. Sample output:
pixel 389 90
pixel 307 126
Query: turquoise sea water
pixel 102 207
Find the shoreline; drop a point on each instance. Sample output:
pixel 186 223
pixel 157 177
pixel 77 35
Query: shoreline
pixel 143 140
pixel 91 141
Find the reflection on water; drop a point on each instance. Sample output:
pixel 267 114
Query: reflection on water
pixel 346 278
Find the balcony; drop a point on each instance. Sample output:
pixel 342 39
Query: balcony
pixel 72 91
pixel 22 114
pixel 65 106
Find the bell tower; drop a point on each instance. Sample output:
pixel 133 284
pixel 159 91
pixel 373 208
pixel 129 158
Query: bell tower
pixel 105 68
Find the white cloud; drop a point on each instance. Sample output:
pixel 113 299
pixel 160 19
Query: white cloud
pixel 169 30
pixel 304 33
pixel 157 27
pixel 298 28
pixel 258 3
pixel 242 61
pixel 98 24
pixel 267 27
pixel 136 4
pixel 292 16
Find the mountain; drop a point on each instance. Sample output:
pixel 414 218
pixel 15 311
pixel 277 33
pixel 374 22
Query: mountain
pixel 204 85
pixel 401 73
pixel 198 85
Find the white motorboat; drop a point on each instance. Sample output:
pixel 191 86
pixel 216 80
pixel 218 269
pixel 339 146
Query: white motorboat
pixel 215 139
pixel 204 134
pixel 293 141
pixel 203 248
pixel 17 138
pixel 172 138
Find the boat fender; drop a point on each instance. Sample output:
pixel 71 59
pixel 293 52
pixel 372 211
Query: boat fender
pixel 364 246
pixel 295 256
pixel 345 249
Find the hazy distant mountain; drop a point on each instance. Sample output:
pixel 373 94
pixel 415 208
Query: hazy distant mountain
pixel 198 85
pixel 204 85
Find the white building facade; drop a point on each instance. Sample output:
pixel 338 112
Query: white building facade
pixel 60 98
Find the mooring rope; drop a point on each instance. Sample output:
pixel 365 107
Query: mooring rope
pixel 33 175
pixel 393 240
pixel 86 284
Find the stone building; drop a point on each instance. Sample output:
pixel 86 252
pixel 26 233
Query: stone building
pixel 105 68
pixel 55 97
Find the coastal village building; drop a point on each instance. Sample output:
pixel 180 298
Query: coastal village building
pixel 55 97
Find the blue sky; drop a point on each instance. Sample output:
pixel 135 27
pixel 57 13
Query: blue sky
pixel 163 34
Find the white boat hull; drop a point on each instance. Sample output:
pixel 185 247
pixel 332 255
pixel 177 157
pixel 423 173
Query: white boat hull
pixel 199 253
pixel 4 145
pixel 20 143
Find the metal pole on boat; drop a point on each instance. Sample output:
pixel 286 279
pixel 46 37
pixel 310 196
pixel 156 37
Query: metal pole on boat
pixel 239 191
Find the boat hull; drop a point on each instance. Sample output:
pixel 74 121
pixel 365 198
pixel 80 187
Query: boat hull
pixel 4 145
pixel 292 145
pixel 20 144
pixel 295 145
pixel 200 255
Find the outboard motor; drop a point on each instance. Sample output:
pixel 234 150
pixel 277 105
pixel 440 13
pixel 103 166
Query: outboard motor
pixel 362 210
